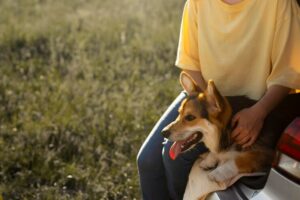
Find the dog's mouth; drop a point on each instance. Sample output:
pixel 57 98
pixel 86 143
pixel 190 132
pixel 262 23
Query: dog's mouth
pixel 184 145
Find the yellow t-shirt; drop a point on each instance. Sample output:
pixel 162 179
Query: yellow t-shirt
pixel 245 48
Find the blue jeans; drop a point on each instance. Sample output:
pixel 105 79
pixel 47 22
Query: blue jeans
pixel 162 178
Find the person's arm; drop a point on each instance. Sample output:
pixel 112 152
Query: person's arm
pixel 249 121
pixel 284 74
pixel 197 77
pixel 188 59
pixel 274 95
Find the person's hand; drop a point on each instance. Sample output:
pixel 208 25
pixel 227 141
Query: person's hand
pixel 248 124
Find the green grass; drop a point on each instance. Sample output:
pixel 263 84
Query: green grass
pixel 81 85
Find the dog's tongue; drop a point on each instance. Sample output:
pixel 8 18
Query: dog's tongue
pixel 175 149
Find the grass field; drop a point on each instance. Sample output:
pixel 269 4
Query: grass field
pixel 82 82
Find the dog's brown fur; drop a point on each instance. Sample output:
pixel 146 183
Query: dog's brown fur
pixel 210 113
pixel 253 161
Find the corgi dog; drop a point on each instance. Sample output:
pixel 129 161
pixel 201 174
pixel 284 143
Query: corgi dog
pixel 205 116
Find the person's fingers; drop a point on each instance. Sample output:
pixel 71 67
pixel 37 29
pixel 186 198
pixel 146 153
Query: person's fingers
pixel 243 134
pixel 236 132
pixel 250 142
pixel 235 119
pixel 244 140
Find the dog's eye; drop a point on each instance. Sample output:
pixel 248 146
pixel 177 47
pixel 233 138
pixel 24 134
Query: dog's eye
pixel 189 118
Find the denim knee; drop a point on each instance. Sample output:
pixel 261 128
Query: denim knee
pixel 148 160
pixel 144 163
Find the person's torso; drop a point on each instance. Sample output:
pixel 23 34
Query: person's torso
pixel 235 44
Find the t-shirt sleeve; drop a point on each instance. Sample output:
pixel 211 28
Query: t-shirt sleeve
pixel 187 53
pixel 285 58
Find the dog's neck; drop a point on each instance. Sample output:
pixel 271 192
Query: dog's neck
pixel 225 140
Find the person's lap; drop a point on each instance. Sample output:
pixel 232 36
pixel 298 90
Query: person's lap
pixel 164 178
pixel 160 176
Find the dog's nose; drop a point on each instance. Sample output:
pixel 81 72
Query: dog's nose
pixel 166 133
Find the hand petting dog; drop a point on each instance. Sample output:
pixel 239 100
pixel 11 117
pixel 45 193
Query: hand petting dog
pixel 204 117
pixel 249 121
pixel 248 124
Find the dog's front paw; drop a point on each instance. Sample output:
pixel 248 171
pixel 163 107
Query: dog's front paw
pixel 209 166
pixel 209 162
pixel 224 173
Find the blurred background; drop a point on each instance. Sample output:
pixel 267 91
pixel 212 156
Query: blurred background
pixel 82 82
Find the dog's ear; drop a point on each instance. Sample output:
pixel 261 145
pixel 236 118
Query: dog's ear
pixel 188 83
pixel 214 99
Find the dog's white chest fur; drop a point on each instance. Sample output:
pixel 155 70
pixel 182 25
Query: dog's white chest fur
pixel 199 183
pixel 202 182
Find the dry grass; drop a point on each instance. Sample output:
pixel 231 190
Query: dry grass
pixel 82 83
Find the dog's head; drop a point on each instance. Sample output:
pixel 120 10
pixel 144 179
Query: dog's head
pixel 202 117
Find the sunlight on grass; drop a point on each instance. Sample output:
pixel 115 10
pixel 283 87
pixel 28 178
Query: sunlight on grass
pixel 82 83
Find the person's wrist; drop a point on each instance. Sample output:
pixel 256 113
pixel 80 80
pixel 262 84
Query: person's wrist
pixel 260 110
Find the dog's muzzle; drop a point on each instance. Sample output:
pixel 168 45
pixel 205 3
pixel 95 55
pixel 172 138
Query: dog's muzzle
pixel 166 133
